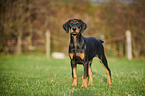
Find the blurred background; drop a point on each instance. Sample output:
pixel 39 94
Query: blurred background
pixel 24 23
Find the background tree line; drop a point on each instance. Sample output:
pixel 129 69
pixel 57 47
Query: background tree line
pixel 23 24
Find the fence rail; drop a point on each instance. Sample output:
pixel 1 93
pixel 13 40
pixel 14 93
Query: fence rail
pixel 44 44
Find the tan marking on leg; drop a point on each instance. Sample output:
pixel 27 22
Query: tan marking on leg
pixel 74 83
pixel 84 82
pixel 81 55
pixel 71 55
pixel 108 75
pixel 90 76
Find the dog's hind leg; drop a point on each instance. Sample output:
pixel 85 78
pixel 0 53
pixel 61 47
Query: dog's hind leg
pixel 103 60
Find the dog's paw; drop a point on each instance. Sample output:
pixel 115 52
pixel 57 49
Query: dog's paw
pixel 84 86
pixel 74 85
pixel 90 84
pixel 109 83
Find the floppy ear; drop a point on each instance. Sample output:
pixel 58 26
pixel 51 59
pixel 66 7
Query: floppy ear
pixel 83 26
pixel 66 27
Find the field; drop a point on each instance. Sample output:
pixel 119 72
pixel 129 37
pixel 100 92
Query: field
pixel 33 74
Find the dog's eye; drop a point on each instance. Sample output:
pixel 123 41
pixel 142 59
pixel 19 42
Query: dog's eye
pixel 71 22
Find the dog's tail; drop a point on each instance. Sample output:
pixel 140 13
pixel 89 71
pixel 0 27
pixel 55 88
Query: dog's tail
pixel 101 40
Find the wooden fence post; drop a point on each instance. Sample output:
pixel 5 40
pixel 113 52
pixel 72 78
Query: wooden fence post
pixel 47 43
pixel 129 45
pixel 19 43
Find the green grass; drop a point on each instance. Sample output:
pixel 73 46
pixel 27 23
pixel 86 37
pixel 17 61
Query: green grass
pixel 30 75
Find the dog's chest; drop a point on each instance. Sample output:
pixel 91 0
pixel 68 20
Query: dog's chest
pixel 78 57
pixel 76 52
pixel 76 48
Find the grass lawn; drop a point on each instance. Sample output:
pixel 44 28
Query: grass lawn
pixel 30 75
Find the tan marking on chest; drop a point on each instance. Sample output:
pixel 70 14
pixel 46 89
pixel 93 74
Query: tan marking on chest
pixel 71 55
pixel 81 55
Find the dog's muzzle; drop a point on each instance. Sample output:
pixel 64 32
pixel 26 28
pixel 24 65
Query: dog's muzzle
pixel 74 33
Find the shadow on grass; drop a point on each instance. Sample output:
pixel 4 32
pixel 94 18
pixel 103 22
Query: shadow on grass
pixel 83 92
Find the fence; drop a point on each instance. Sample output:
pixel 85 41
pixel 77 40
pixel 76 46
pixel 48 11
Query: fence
pixel 44 44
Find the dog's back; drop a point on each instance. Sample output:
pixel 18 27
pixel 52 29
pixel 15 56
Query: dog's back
pixel 93 46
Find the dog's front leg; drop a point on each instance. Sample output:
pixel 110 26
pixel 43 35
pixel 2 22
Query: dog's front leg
pixel 85 75
pixel 74 73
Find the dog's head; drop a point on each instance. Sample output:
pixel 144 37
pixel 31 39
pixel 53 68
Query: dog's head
pixel 74 26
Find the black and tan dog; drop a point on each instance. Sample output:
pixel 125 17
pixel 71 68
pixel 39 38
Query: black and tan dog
pixel 82 50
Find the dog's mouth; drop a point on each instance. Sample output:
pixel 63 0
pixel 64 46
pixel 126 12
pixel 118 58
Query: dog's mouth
pixel 74 34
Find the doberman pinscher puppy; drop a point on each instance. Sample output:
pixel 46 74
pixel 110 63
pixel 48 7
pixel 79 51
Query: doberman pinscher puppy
pixel 82 50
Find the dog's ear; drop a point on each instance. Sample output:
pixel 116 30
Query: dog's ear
pixel 83 26
pixel 66 26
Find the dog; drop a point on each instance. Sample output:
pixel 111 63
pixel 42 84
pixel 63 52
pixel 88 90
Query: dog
pixel 82 50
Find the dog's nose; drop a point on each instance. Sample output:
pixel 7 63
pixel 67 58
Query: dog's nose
pixel 74 29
